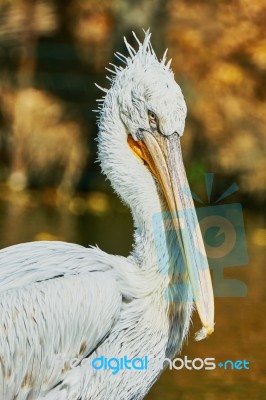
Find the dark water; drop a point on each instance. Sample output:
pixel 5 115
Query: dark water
pixel 240 322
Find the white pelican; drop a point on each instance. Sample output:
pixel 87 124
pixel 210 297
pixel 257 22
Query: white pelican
pixel 62 302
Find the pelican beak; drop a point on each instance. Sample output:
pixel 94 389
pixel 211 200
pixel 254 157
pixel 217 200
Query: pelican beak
pixel 164 158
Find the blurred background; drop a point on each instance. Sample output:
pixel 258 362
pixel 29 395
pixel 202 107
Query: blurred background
pixel 51 53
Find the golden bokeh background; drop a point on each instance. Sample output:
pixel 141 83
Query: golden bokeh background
pixel 51 54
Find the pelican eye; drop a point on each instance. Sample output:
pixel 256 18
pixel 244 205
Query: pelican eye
pixel 152 117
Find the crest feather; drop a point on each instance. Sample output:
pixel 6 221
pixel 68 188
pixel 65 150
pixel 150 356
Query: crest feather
pixel 142 57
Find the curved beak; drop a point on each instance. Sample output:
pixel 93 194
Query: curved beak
pixel 164 158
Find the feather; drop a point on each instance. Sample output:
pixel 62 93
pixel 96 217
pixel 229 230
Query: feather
pixel 101 88
pixel 168 64
pixel 135 36
pixel 164 57
pixel 121 57
pixel 130 49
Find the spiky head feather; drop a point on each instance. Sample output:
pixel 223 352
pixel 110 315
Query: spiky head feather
pixel 144 84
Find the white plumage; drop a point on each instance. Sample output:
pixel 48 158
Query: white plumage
pixel 61 301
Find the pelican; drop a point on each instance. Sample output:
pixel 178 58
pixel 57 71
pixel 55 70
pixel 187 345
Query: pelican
pixel 62 302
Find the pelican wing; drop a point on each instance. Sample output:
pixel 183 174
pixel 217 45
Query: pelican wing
pixel 58 301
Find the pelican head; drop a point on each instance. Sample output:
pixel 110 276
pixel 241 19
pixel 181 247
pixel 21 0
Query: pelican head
pixel 152 100
pixel 141 121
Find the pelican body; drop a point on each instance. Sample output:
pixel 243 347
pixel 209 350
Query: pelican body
pixel 62 302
